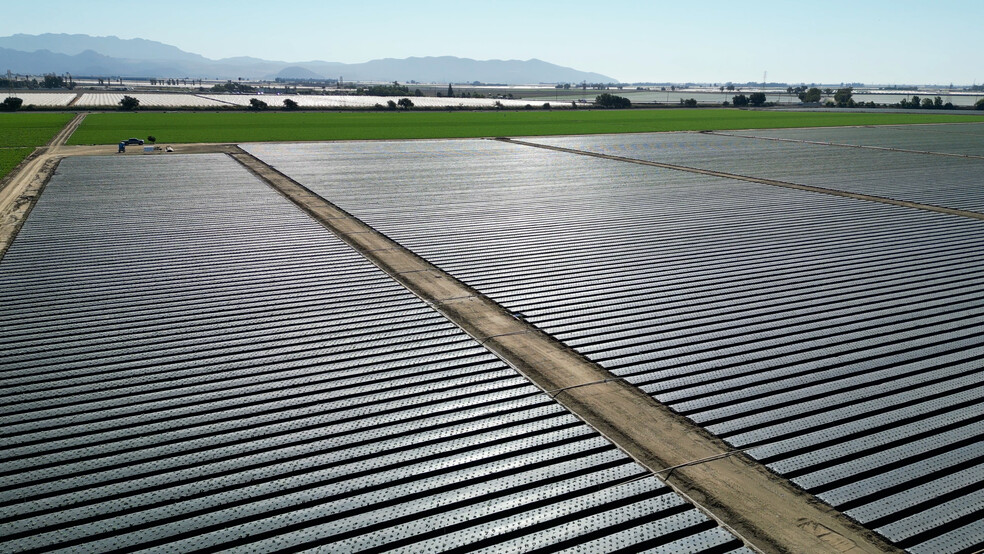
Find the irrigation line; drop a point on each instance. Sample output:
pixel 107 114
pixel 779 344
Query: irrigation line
pixel 488 338
pixel 554 393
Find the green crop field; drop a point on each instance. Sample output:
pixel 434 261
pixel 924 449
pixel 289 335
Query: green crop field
pixel 10 157
pixel 21 132
pixel 30 129
pixel 110 128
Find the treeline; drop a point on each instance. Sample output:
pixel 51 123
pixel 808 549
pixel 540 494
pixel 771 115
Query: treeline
pixel 396 89
pixel 49 81
pixel 585 86
pixel 171 82
pixel 11 104
pixel 230 86
pixel 754 99
pixel 452 94
pixel 607 100
pixel 926 104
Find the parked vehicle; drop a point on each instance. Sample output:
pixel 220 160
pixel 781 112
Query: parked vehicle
pixel 134 141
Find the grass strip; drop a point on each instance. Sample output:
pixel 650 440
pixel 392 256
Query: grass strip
pixel 184 127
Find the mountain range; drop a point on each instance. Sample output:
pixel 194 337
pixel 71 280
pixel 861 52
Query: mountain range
pixel 84 55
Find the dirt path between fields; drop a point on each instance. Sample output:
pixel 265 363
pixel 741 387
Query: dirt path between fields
pixel 13 185
pixel 764 509
pixel 19 190
pixel 771 182
pixel 61 137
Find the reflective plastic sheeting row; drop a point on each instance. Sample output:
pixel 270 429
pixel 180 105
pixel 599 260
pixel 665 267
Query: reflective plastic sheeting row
pixel 818 331
pixel 190 362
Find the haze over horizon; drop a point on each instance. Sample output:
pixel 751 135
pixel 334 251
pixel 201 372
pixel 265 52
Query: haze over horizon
pixel 883 42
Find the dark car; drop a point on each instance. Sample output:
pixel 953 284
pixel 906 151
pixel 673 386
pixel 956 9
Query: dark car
pixel 134 141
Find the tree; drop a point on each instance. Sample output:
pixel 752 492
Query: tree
pixel 53 81
pixel 257 104
pixel 395 89
pixel 979 105
pixel 689 102
pixel 151 139
pixel 391 104
pixel 11 104
pixel 843 97
pixel 450 91
pixel 608 100
pixel 129 103
pixel 405 103
pixel 740 101
pixel 290 104
pixel 756 98
pixel 229 86
pixel 810 96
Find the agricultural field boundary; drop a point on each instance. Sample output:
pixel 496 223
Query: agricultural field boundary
pixel 17 199
pixel 21 190
pixel 21 134
pixel 766 511
pixel 844 145
pixel 61 138
pixel 759 180
pixel 244 126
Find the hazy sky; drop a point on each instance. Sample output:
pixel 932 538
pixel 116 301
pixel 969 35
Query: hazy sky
pixel 898 41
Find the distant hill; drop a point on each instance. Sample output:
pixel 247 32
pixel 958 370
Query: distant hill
pixel 71 45
pixel 296 72
pixel 84 55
